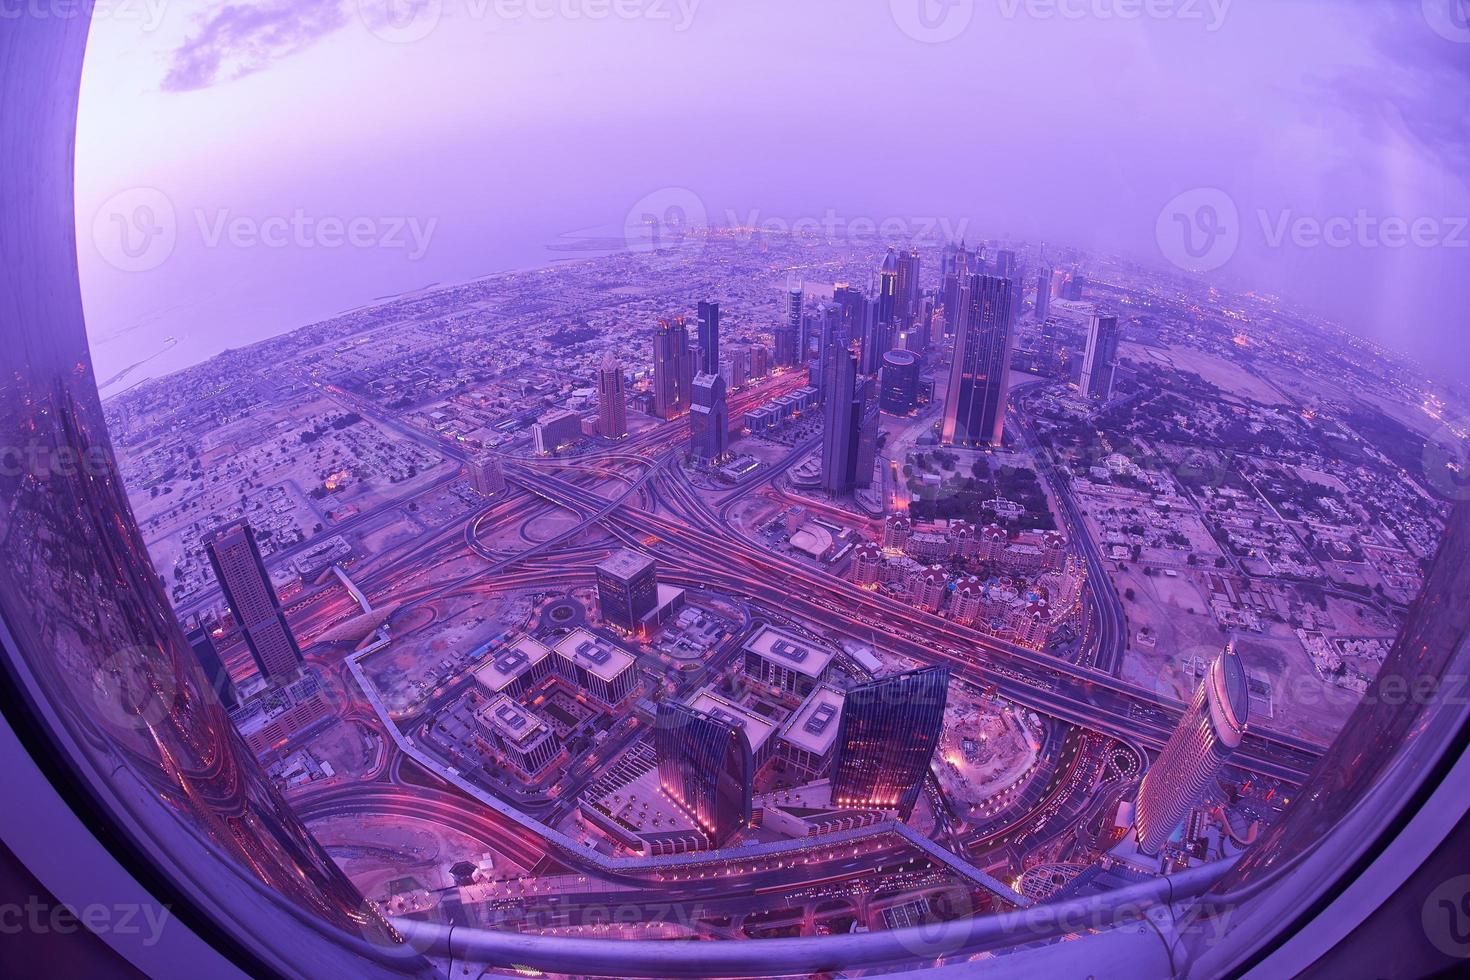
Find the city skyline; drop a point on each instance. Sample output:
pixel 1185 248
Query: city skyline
pixel 608 527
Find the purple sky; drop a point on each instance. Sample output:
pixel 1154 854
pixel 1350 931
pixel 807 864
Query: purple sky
pixel 507 126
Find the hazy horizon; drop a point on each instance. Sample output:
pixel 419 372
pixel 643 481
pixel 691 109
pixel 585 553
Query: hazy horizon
pixel 308 158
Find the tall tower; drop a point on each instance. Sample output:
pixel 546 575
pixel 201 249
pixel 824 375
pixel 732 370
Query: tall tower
pixel 709 419
pixel 793 328
pixel 906 289
pixel 888 290
pixel 975 404
pixel 1043 294
pixel 1100 362
pixel 1196 752
pixel 841 403
pixel 612 406
pixel 709 338
pixel 705 765
pixel 889 730
pixel 671 375
pixel 627 588
pixel 253 601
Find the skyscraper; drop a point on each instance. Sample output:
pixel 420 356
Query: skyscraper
pixel 1209 731
pixel 1043 294
pixel 846 422
pixel 900 382
pixel 793 328
pixel 253 602
pixel 487 475
pixel 671 375
pixel 906 288
pixel 888 289
pixel 709 338
pixel 889 730
pixel 705 765
pixel 1100 362
pixel 975 404
pixel 627 588
pixel 709 419
pixel 612 405
pixel 214 669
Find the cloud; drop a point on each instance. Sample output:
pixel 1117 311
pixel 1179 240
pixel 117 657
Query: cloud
pixel 238 39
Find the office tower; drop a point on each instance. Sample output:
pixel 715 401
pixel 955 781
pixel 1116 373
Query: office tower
pixel 1100 362
pixel 709 338
pixel 556 430
pixel 793 310
pixel 849 434
pixel 739 362
pixel 889 730
pixel 253 602
pixel 1043 294
pixel 612 406
pixel 627 588
pixel 831 336
pixel 760 361
pixel 1182 776
pixel 214 668
pixel 900 382
pixel 888 287
pixel 806 339
pixel 1005 264
pixel 670 369
pixel 487 475
pixel 869 427
pixel 784 341
pixel 706 767
pixel 709 419
pixel 975 404
pixel 906 289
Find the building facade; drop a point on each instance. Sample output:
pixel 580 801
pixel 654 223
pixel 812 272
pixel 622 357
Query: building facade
pixel 612 399
pixel 1210 730
pixel 627 588
pixel 1100 362
pixel 890 728
pixel 975 404
pixel 706 768
pixel 253 601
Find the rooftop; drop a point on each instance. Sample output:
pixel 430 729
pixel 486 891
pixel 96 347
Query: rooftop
pixel 791 651
pixel 602 658
pixel 625 564
pixel 508 662
pixel 814 725
pixel 758 730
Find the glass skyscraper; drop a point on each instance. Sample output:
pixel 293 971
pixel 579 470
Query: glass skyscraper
pixel 706 766
pixel 975 405
pixel 253 600
pixel 889 730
